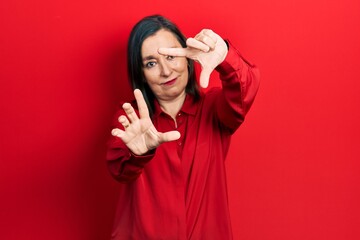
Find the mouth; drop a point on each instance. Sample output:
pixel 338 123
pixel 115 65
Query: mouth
pixel 170 82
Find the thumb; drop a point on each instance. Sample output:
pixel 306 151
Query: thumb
pixel 169 136
pixel 205 76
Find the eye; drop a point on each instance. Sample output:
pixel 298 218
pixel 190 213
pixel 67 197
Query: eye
pixel 150 64
pixel 170 57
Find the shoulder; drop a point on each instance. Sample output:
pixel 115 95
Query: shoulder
pixel 211 93
pixel 208 97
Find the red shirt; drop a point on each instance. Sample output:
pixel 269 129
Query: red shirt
pixel 179 190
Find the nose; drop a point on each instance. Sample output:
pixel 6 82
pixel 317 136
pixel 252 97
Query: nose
pixel 165 68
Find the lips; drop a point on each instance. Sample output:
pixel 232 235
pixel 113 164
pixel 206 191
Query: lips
pixel 170 82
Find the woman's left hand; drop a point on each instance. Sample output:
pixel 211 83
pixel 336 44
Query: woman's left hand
pixel 206 48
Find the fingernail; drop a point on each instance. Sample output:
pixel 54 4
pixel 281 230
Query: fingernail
pixel 114 132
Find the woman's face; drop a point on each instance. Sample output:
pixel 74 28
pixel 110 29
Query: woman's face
pixel 167 76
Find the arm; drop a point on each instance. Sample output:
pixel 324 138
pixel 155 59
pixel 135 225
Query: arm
pixel 240 83
pixel 240 80
pixel 123 165
pixel 134 140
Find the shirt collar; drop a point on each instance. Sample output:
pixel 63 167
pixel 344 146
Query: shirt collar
pixel 189 107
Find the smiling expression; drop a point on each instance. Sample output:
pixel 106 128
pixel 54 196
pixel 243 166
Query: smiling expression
pixel 167 76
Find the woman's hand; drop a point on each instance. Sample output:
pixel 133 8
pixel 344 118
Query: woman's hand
pixel 207 48
pixel 140 134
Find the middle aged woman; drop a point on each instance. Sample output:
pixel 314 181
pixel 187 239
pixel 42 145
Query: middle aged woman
pixel 168 148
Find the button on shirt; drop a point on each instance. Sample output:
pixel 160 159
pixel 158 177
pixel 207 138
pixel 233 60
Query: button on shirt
pixel 178 191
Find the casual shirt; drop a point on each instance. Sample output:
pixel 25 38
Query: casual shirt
pixel 178 191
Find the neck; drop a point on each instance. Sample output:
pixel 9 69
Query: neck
pixel 173 106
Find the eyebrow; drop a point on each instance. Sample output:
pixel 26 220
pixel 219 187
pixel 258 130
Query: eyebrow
pixel 152 57
pixel 148 58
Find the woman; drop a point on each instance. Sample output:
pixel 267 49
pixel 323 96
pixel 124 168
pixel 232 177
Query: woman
pixel 168 148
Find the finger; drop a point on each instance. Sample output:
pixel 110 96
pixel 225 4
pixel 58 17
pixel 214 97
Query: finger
pixel 169 136
pixel 207 40
pixel 130 112
pixel 176 52
pixel 116 132
pixel 194 43
pixel 124 121
pixel 210 33
pixel 143 108
pixel 205 76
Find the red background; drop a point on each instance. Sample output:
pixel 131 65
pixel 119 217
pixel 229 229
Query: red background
pixel 293 167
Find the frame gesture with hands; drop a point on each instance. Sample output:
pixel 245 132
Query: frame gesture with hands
pixel 207 48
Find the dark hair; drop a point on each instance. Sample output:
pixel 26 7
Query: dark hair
pixel 146 27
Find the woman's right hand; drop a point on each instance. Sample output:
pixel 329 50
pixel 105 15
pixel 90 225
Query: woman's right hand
pixel 140 134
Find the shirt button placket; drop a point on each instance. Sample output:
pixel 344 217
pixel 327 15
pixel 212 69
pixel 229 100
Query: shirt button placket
pixel 178 120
